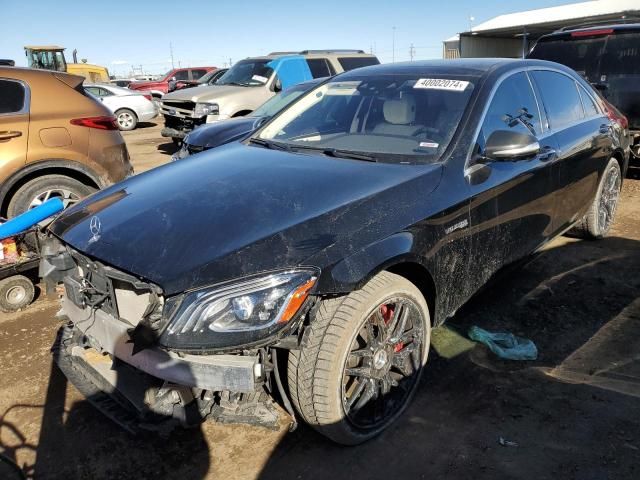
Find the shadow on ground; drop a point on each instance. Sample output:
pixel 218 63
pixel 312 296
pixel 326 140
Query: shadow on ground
pixel 573 413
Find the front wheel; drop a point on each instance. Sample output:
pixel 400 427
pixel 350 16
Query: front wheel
pixel 37 191
pixel 361 360
pixel 598 220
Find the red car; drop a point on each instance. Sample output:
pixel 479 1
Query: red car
pixel 160 87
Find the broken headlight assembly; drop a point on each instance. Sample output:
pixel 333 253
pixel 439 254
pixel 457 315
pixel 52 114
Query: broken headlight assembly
pixel 203 109
pixel 238 313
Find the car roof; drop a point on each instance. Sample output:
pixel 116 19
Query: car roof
pixel 463 67
pixel 315 54
pixel 26 74
pixel 567 31
pixel 113 88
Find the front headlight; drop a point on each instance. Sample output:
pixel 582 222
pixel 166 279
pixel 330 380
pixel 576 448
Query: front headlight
pixel 203 109
pixel 238 313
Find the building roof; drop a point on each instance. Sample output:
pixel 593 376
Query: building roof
pixel 563 15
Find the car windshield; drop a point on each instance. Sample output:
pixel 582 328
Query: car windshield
pixel 203 80
pixel 247 73
pixel 280 101
pixel 391 118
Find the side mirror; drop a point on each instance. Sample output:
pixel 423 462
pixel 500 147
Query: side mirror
pixel 172 79
pixel 510 145
pixel 277 85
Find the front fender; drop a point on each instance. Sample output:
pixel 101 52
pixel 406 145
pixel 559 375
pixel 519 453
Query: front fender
pixel 354 271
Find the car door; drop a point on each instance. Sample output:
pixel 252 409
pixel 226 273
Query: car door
pixel 197 73
pixel 14 125
pixel 584 143
pixel 512 203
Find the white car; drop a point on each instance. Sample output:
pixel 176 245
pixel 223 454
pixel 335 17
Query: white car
pixel 129 107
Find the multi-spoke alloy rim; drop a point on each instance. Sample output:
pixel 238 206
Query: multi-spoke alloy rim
pixel 125 120
pixel 67 196
pixel 383 365
pixel 609 199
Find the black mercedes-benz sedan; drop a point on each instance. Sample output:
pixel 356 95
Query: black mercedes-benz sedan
pixel 313 258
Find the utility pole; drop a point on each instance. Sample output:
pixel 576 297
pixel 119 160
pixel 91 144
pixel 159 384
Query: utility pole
pixel 230 62
pixel 393 55
pixel 171 51
pixel 412 51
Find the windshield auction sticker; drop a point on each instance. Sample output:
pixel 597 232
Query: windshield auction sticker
pixel 441 84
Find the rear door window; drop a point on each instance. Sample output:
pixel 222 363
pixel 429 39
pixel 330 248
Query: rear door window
pixel 590 108
pixel 349 63
pixel 560 96
pixel 12 96
pixel 320 67
pixel 198 73
pixel 513 107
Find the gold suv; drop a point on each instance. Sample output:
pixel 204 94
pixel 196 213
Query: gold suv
pixel 55 141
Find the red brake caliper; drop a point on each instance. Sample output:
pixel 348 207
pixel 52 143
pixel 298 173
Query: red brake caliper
pixel 387 314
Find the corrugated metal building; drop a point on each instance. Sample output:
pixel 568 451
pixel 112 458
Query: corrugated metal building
pixel 513 34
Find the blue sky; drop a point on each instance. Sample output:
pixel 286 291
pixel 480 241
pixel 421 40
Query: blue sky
pixel 119 34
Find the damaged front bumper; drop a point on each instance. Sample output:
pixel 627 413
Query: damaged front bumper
pixel 138 401
pixel 143 385
pixel 211 372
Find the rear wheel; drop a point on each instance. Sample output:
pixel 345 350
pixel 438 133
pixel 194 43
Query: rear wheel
pixel 598 220
pixel 37 191
pixel 127 119
pixel 362 359
pixel 15 293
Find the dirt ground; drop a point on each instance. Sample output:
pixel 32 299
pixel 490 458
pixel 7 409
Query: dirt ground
pixel 573 413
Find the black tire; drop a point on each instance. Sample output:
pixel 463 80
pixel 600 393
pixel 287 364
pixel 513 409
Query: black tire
pixel 598 220
pixel 319 373
pixel 35 191
pixel 15 293
pixel 126 119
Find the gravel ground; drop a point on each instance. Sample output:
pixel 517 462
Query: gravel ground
pixel 573 413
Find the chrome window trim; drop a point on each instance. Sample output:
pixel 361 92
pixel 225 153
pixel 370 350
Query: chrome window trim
pixel 548 131
pixel 582 90
pixel 27 97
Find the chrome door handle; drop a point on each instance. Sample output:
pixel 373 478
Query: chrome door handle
pixel 9 135
pixel 547 153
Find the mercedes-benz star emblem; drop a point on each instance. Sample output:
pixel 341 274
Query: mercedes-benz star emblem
pixel 95 227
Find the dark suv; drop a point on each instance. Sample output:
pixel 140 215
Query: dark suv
pixel 608 56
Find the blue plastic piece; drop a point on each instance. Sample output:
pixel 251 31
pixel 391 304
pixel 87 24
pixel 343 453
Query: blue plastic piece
pixel 291 70
pixel 32 217
pixel 505 345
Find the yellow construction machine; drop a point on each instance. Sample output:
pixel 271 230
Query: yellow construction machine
pixel 51 57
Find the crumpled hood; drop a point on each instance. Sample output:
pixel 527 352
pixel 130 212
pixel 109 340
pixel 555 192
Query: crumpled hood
pixel 206 93
pixel 239 210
